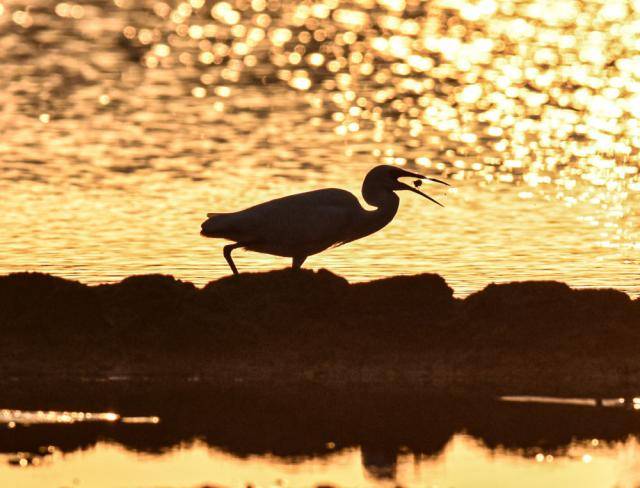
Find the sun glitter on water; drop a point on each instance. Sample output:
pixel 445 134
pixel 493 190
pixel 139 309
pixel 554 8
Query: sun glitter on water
pixel 152 114
pixel 543 94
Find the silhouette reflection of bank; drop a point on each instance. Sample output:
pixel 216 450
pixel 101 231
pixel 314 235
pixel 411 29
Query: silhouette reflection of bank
pixel 301 423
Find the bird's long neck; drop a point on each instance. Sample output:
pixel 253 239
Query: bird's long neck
pixel 386 203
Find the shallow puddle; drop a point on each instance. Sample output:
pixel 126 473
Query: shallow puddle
pixel 233 438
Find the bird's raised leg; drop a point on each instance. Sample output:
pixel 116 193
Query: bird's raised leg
pixel 227 255
pixel 297 262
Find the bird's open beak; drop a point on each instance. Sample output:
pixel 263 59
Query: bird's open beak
pixel 422 177
pixel 415 190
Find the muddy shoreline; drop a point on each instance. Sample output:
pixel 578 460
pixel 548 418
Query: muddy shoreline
pixel 314 328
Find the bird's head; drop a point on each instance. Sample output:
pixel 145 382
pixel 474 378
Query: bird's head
pixel 385 178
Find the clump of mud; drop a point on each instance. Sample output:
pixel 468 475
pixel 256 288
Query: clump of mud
pixel 315 326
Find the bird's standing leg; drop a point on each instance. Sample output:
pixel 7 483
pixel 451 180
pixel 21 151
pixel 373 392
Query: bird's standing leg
pixel 297 262
pixel 227 255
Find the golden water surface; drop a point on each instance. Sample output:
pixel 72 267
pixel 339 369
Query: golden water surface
pixel 124 122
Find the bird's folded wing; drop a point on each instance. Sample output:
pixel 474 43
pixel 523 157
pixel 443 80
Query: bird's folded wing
pixel 317 219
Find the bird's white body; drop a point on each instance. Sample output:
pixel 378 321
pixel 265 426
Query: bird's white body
pixel 304 224
pixel 295 225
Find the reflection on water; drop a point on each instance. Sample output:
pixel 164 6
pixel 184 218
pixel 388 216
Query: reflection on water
pixel 464 462
pixel 628 403
pixel 12 418
pixel 240 437
pixel 125 121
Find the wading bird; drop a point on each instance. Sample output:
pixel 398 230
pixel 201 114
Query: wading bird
pixel 298 226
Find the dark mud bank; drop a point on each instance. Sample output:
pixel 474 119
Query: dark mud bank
pixel 285 326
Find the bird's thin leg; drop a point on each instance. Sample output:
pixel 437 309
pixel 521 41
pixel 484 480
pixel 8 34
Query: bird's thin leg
pixel 227 255
pixel 297 262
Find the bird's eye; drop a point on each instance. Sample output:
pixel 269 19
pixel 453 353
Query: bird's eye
pixel 417 183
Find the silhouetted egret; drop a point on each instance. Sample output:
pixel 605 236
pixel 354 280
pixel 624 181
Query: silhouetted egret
pixel 298 226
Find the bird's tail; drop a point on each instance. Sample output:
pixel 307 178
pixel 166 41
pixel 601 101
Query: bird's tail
pixel 213 225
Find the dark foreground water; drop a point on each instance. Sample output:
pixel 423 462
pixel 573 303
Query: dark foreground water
pixel 124 122
pixel 194 436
